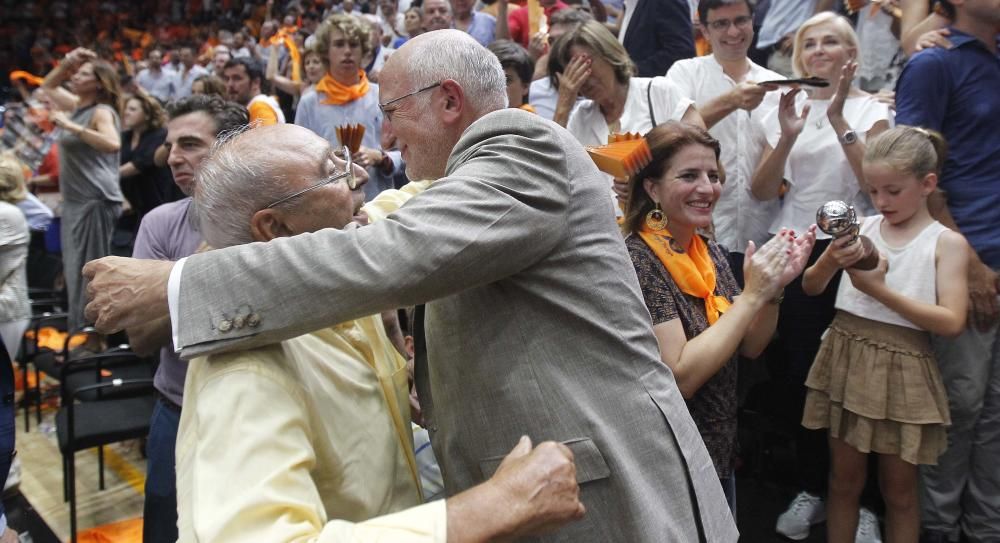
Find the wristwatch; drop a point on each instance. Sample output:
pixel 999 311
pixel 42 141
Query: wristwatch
pixel 849 137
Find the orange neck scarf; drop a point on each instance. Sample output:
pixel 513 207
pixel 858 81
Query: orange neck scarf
pixel 338 94
pixel 693 270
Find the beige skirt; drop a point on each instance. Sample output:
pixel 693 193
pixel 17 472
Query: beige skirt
pixel 877 387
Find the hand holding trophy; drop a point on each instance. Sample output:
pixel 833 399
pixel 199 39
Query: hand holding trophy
pixel 838 219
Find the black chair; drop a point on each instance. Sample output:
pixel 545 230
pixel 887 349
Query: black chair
pixel 46 360
pixel 117 410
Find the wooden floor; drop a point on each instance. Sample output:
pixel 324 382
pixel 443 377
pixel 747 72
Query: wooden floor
pixel 42 479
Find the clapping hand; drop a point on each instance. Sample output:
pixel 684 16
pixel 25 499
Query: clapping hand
pixel 78 56
pixel 836 110
pixel 768 270
pixel 791 122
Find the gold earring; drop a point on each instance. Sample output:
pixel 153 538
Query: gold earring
pixel 655 219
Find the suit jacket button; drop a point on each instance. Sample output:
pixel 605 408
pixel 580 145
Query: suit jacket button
pixel 225 326
pixel 253 320
pixel 239 321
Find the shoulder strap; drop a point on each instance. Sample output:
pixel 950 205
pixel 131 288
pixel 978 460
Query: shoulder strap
pixel 649 102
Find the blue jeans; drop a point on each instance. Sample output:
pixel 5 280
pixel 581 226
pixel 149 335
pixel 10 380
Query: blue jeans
pixel 160 509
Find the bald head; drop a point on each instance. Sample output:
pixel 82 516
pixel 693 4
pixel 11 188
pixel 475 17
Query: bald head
pixel 452 54
pixel 250 170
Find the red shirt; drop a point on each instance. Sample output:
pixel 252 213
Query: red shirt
pixel 517 20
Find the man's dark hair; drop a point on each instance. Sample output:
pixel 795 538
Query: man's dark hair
pixel 705 5
pixel 311 16
pixel 569 17
pixel 512 55
pixel 228 116
pixel 254 69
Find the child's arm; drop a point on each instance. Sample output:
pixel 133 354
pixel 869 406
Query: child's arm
pixel 946 317
pixel 840 253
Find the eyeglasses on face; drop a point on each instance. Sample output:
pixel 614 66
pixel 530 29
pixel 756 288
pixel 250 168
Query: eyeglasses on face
pixel 388 113
pixel 352 181
pixel 742 21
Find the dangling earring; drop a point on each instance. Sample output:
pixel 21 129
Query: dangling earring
pixel 655 219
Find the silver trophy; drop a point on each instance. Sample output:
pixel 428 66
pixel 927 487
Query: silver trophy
pixel 838 219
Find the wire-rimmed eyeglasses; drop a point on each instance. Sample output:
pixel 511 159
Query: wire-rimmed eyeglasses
pixel 352 181
pixel 388 114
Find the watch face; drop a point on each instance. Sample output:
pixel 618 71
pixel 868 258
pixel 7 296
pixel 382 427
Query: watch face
pixel 849 137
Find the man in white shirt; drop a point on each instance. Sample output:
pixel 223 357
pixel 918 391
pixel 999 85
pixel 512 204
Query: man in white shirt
pixel 724 87
pixel 243 78
pixel 155 80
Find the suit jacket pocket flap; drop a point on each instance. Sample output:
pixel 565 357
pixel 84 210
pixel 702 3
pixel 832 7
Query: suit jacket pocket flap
pixel 590 464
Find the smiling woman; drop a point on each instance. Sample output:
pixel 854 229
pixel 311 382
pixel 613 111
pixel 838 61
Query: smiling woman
pixel 700 318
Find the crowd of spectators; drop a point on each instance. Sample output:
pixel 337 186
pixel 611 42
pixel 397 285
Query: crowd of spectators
pixel 756 113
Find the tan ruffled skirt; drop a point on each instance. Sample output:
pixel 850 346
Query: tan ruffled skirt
pixel 877 387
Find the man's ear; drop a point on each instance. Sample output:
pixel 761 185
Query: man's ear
pixel 268 224
pixel 454 100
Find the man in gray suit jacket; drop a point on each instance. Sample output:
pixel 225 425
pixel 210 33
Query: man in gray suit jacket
pixel 535 323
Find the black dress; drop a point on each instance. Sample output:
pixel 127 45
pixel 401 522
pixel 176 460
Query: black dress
pixel 152 186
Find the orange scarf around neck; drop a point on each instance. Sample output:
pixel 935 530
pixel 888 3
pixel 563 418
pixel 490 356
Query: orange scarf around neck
pixel 338 94
pixel 693 270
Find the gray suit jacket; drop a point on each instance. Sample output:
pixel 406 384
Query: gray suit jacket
pixel 535 325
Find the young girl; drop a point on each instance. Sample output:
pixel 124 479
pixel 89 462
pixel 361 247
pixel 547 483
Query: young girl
pixel 875 383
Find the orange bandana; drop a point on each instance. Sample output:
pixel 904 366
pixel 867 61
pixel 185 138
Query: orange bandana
pixel 693 270
pixel 338 94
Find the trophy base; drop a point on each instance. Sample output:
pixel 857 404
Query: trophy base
pixel 870 260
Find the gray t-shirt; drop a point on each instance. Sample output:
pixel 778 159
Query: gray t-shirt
pixel 86 174
pixel 14 304
pixel 168 233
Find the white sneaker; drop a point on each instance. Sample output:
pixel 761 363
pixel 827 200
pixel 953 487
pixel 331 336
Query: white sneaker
pixel 14 476
pixel 868 531
pixel 804 511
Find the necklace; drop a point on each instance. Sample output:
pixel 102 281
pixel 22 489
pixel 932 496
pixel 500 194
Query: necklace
pixel 819 123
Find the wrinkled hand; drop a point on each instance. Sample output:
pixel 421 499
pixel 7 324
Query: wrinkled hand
pixel 846 251
pixel 538 487
pixel 573 77
pixel 791 122
pixel 538 45
pixel 870 281
pixel 934 38
pixel 126 292
pixel 764 268
pixel 836 110
pixel 366 156
pixel 983 286
pixel 749 95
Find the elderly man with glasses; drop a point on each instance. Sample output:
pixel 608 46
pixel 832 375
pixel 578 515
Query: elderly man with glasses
pixel 306 439
pixel 534 321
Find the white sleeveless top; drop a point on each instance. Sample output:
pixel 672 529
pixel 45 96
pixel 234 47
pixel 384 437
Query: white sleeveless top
pixel 912 273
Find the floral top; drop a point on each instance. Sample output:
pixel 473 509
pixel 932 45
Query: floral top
pixel 713 407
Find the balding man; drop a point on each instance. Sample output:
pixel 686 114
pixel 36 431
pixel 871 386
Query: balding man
pixel 316 428
pixel 534 320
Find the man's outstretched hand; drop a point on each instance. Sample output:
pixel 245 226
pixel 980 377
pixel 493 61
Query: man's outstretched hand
pixel 125 292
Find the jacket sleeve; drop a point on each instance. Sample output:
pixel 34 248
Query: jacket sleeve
pixel 500 209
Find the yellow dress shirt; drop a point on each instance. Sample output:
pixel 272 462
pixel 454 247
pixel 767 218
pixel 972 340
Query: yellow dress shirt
pixel 303 440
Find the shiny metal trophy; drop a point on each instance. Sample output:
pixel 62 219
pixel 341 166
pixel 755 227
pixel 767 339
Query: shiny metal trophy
pixel 838 219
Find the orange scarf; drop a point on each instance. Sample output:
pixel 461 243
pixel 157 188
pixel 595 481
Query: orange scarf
pixel 338 94
pixel 693 270
pixel 527 107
